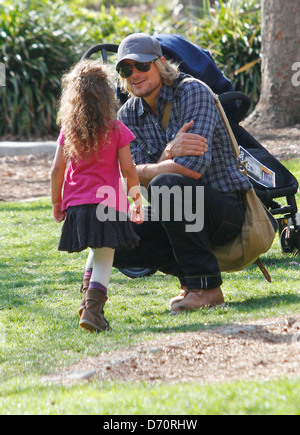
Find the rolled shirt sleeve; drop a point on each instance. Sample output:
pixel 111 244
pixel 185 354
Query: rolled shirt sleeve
pixel 197 105
pixel 191 101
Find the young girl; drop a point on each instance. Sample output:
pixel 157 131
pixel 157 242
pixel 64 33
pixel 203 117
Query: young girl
pixel 93 202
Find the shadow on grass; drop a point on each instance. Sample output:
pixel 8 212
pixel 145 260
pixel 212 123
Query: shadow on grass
pixel 25 289
pixel 267 302
pixel 248 306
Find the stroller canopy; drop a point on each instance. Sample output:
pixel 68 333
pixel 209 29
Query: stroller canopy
pixel 197 62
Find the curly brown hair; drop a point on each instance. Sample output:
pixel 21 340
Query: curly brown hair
pixel 87 108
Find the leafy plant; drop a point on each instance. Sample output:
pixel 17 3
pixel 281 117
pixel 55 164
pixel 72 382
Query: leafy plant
pixel 232 32
pixel 38 42
pixel 35 49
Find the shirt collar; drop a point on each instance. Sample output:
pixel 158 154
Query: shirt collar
pixel 166 93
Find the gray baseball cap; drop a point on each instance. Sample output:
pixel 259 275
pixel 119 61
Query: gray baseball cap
pixel 139 47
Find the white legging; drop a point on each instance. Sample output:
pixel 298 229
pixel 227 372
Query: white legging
pixel 100 260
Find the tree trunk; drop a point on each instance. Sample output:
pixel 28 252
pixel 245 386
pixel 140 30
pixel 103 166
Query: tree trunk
pixel 279 105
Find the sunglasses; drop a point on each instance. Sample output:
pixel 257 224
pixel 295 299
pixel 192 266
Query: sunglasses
pixel 125 69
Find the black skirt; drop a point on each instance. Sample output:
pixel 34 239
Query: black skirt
pixel 85 227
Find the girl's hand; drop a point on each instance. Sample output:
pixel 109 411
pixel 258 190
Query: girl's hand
pixel 59 215
pixel 137 215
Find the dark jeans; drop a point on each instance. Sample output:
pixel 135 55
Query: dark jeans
pixel 165 245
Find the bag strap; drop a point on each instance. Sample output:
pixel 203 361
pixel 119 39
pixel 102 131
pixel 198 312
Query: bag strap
pixel 236 149
pixel 263 269
pixel 234 143
pixel 166 116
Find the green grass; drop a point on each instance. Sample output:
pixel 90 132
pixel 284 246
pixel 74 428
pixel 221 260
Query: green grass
pixel 28 396
pixel 39 330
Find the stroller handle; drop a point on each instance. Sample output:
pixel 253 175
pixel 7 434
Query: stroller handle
pixel 227 97
pixel 104 48
pixel 244 103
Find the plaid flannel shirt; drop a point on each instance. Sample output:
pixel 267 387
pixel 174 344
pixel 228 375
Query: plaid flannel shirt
pixel 192 101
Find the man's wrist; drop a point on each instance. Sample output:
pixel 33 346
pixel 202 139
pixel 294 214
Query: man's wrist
pixel 168 151
pixel 146 172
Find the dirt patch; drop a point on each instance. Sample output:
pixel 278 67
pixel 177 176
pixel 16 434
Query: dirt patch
pixel 23 177
pixel 264 349
pixel 282 143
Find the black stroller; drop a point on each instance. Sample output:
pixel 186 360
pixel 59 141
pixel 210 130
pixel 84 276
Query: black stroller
pixel 274 181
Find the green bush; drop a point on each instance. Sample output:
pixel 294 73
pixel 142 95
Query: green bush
pixel 40 40
pixel 35 49
pixel 231 31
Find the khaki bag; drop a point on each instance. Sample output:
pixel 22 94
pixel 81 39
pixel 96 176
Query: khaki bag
pixel 260 227
pixel 256 237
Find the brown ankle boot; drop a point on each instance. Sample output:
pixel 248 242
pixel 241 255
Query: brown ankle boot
pixel 83 289
pixel 196 299
pixel 176 299
pixel 92 317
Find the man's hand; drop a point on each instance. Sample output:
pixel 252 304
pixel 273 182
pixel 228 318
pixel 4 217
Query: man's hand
pixel 185 144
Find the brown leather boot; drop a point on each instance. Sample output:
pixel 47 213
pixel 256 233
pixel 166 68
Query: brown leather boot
pixel 176 299
pixel 83 289
pixel 196 299
pixel 92 318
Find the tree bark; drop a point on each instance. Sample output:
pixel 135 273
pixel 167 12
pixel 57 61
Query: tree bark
pixel 279 105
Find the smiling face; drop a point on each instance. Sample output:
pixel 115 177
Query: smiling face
pixel 144 84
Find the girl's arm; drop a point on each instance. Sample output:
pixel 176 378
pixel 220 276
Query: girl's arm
pixel 129 173
pixel 57 180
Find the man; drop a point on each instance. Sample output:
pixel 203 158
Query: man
pixel 194 152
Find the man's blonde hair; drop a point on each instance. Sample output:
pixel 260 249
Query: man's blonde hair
pixel 169 71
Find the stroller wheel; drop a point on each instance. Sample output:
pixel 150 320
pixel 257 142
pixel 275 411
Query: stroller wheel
pixel 289 240
pixel 137 272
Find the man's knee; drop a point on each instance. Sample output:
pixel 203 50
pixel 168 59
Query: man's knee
pixel 167 179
